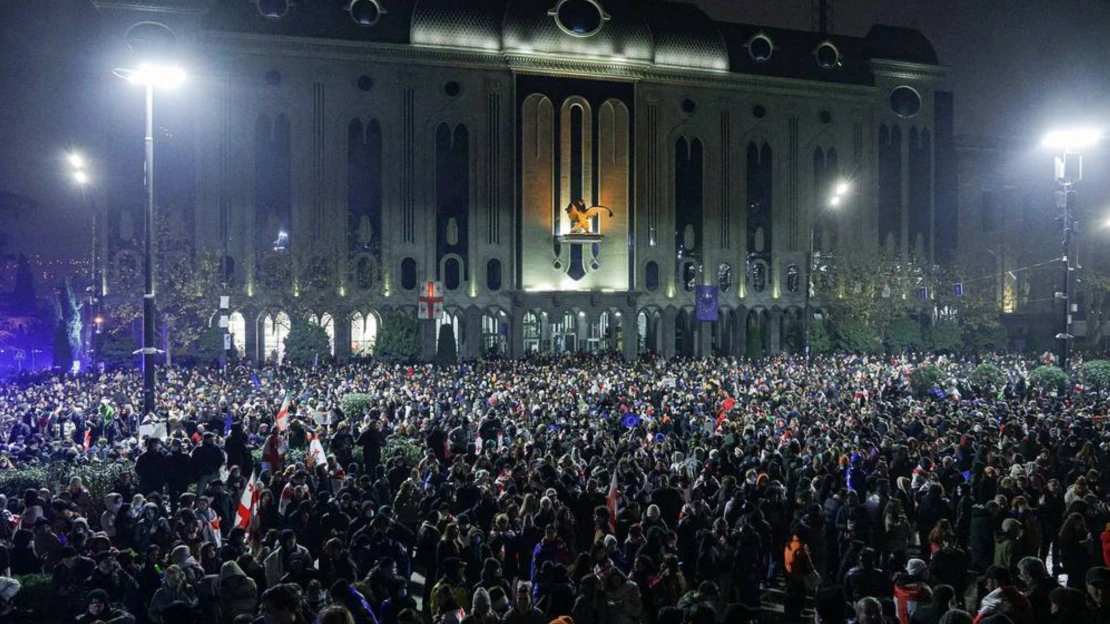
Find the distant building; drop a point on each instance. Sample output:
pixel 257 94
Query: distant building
pixel 361 148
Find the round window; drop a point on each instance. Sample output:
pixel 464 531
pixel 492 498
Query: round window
pixel 825 117
pixel 760 48
pixel 579 18
pixel 905 101
pixel 688 106
pixel 273 9
pixel 364 83
pixel 827 56
pixel 759 111
pixel 452 89
pixel 366 12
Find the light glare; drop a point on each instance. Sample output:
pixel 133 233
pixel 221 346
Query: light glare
pixel 81 177
pixel 165 76
pixel 76 161
pixel 843 188
pixel 835 201
pixel 1072 138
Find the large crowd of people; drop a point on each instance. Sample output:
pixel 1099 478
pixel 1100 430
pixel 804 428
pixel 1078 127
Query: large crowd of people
pixel 583 490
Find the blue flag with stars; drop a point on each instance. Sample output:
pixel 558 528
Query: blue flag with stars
pixel 706 303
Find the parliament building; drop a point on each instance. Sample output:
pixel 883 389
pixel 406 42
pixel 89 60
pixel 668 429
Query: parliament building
pixel 567 172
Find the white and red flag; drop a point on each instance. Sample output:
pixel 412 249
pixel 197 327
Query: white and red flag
pixel 283 414
pixel 247 503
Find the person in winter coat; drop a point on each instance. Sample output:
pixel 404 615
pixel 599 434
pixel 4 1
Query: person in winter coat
pixel 151 468
pixel 798 565
pixel 98 609
pixel 276 563
pixel 238 592
pixel 931 613
pixel 1003 598
pixel 551 548
pixel 174 589
pixel 949 566
pixel 622 597
pixel 1039 585
pixel 1075 549
pixel 1008 545
pixel 522 611
pixel 981 541
pixel 911 590
pixel 866 579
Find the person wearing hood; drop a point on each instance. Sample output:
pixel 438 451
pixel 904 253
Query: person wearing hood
pixel 911 590
pixel 23 559
pixel 112 504
pixel 238 593
pixel 1007 545
pixel 277 562
pixel 174 589
pixel 99 610
pixel 183 558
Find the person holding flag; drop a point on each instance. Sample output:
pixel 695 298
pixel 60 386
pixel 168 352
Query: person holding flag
pixel 282 420
pixel 248 501
pixel 273 452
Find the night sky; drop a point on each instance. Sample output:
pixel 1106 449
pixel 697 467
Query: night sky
pixel 1017 67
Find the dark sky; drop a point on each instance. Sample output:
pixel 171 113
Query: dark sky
pixel 1017 67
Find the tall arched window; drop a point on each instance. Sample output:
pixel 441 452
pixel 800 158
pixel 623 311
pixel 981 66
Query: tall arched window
pixel 493 275
pixel 452 274
pixel 408 274
pixel 275 328
pixel 237 327
pixel 364 331
pixel 651 276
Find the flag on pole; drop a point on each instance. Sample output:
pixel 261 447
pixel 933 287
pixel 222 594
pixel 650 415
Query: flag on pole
pixel 256 381
pixel 430 301
pixel 227 421
pixel 611 500
pixel 88 439
pixel 283 414
pixel 246 505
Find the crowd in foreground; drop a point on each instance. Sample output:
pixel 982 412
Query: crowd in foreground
pixel 582 490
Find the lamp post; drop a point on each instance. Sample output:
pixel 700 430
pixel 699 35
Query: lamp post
pixel 841 190
pixel 150 76
pixel 1069 171
pixel 92 317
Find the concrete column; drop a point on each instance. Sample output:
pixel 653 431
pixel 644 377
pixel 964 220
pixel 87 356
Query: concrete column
pixel 516 333
pixel 740 333
pixel 629 336
pixel 342 325
pixel 775 342
pixel 705 339
pixel 668 346
pixel 251 339
pixel 471 335
pixel 428 340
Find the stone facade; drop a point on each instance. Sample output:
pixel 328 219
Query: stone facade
pixel 340 154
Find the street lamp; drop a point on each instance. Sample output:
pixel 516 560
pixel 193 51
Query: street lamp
pixel 841 190
pixel 81 177
pixel 150 75
pixel 1069 171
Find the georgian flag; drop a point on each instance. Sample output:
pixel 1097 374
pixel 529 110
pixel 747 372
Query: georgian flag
pixel 283 414
pixel 611 500
pixel 247 504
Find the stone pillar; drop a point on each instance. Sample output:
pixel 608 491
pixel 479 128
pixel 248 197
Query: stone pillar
pixel 668 349
pixel 342 326
pixel 740 333
pixel 428 340
pixel 704 346
pixel 516 333
pixel 250 342
pixel 775 343
pixel 629 335
pixel 471 334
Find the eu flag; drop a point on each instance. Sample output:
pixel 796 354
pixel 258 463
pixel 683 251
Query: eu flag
pixel 706 303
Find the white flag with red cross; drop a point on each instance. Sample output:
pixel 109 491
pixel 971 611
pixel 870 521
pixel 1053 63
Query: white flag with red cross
pixel 247 504
pixel 430 301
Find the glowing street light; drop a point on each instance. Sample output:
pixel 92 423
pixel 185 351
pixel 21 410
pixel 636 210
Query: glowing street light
pixel 1070 139
pixel 76 161
pixel 81 177
pixel 150 76
pixel 843 188
pixel 835 201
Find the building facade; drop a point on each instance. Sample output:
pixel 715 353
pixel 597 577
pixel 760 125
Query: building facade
pixel 339 154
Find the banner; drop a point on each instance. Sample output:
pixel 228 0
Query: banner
pixel 430 302
pixel 706 303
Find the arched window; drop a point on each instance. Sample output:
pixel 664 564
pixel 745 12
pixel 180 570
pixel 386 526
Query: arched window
pixel 364 331
pixel 452 274
pixel 455 321
pixel 651 276
pixel 237 327
pixel 689 276
pixel 531 332
pixel 274 330
pixel 408 274
pixel 793 279
pixel 493 275
pixel 759 276
pixel 724 277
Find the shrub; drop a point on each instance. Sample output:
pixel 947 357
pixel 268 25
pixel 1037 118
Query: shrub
pixel 1049 378
pixel 354 404
pixel 992 337
pixel 926 377
pixel 209 347
pixel 409 449
pixel 305 342
pixel 118 348
pixel 446 349
pixel 857 336
pixel 819 341
pixel 35 594
pixel 398 339
pixel 1096 374
pixel 988 375
pixel 945 336
pixel 904 334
